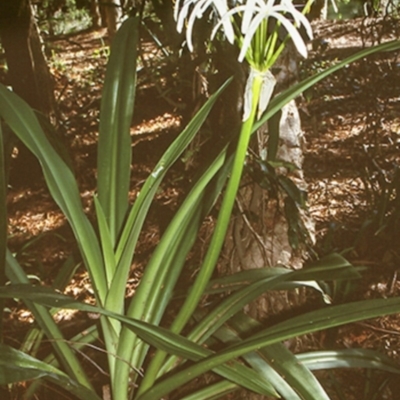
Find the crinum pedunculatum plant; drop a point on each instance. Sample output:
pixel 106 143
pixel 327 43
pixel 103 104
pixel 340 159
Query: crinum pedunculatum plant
pixel 145 359
pixel 255 27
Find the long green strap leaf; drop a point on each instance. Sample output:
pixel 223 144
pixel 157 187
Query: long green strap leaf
pixel 168 271
pixel 175 344
pixel 272 279
pixel 46 322
pixel 132 229
pixel 85 338
pixel 138 213
pixel 235 372
pixel 60 181
pixel 106 241
pixel 213 392
pixel 289 375
pixel 259 362
pixel 175 245
pixel 158 271
pixel 343 271
pixel 114 147
pixel 221 227
pixel 174 263
pixel 292 92
pixel 16 366
pixel 307 323
pixel 348 358
pixel 238 300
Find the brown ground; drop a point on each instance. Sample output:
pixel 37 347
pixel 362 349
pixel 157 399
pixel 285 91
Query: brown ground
pixel 352 125
pixel 352 128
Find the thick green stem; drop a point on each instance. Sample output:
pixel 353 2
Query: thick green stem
pixel 221 228
pixel 217 240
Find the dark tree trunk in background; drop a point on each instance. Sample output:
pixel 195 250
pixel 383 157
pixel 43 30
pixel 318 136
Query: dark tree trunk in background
pixel 319 10
pixel 111 11
pixel 164 10
pixel 95 14
pixel 28 72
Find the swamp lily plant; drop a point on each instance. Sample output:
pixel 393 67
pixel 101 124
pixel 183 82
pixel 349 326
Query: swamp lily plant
pixel 132 333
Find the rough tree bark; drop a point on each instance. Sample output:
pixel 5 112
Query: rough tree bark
pixel 95 14
pixel 28 74
pixel 319 10
pixel 112 10
pixel 28 71
pixel 164 11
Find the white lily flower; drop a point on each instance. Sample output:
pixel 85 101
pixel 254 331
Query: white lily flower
pixel 199 7
pixel 255 12
pixel 258 45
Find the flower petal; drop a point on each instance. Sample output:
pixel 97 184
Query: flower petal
pixel 252 13
pixel 226 19
pixel 222 7
pixel 294 34
pixel 249 10
pixel 255 23
pixel 200 6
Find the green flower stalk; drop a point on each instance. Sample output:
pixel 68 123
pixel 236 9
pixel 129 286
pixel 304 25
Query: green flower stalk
pixel 221 227
pixel 260 48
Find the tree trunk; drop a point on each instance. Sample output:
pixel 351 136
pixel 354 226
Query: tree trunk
pixel 112 10
pixel 168 34
pixel 28 72
pixel 319 10
pixel 95 14
pixel 258 236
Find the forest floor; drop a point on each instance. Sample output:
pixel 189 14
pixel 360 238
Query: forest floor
pixel 352 127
